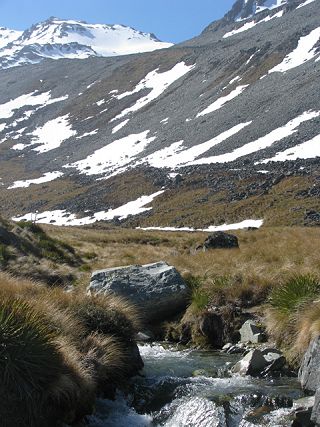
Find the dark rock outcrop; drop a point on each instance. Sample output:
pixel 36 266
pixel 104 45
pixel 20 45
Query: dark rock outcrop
pixel 220 240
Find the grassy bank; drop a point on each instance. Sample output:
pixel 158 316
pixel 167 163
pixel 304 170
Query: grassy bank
pixel 268 260
pixel 26 250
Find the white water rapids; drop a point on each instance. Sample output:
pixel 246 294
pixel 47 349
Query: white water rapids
pixel 189 388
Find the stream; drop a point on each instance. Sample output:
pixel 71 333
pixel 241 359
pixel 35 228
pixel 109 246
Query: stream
pixel 192 388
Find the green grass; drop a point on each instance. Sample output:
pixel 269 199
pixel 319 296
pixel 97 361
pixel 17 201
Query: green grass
pixel 296 291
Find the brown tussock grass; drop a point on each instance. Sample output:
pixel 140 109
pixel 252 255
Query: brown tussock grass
pixel 308 327
pixel 108 358
pixel 85 363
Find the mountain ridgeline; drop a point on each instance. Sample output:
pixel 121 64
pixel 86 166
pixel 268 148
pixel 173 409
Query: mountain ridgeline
pixel 220 129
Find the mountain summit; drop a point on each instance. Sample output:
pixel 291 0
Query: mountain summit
pixel 58 38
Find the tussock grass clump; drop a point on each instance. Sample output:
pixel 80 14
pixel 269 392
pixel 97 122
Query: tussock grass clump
pixel 107 358
pixel 214 290
pixel 59 351
pixel 293 315
pixel 308 327
pixel 32 368
pixel 287 297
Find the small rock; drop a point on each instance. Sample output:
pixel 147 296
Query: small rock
pixel 199 373
pixel 250 332
pixel 252 364
pixel 304 402
pixel 227 347
pixel 142 336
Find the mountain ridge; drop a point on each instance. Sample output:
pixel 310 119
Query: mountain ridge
pixel 57 38
pixel 230 118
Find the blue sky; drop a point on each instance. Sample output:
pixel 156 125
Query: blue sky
pixel 170 20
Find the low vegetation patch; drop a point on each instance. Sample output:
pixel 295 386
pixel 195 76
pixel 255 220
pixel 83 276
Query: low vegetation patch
pixel 27 250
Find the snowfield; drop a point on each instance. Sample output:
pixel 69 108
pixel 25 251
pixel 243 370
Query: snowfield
pixel 157 82
pixel 306 150
pixel 8 109
pixel 64 218
pixel 305 51
pixel 248 25
pixel 47 177
pixel 176 155
pixel 256 223
pixel 219 103
pixel 50 136
pixel 115 157
pixel 58 38
pixel 264 142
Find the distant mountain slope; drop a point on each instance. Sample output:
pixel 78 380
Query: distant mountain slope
pixel 57 38
pixel 222 128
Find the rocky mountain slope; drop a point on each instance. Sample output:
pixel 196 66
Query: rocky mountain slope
pixel 220 129
pixel 59 38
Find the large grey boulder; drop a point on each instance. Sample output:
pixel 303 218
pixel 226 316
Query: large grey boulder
pixel 250 332
pixel 158 289
pixel 309 374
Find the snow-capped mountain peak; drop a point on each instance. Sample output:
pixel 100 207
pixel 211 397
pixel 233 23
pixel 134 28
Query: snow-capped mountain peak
pixel 7 36
pixel 61 38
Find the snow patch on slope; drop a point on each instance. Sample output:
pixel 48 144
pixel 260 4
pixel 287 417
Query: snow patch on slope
pixel 50 136
pixel 7 109
pixel 305 51
pixel 176 155
pixel 257 223
pixel 248 25
pixel 7 36
pixel 306 150
pixel 157 82
pixel 84 135
pixel 219 103
pixel 62 217
pixel 305 3
pixel 115 157
pixel 120 126
pixel 264 142
pixel 47 177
